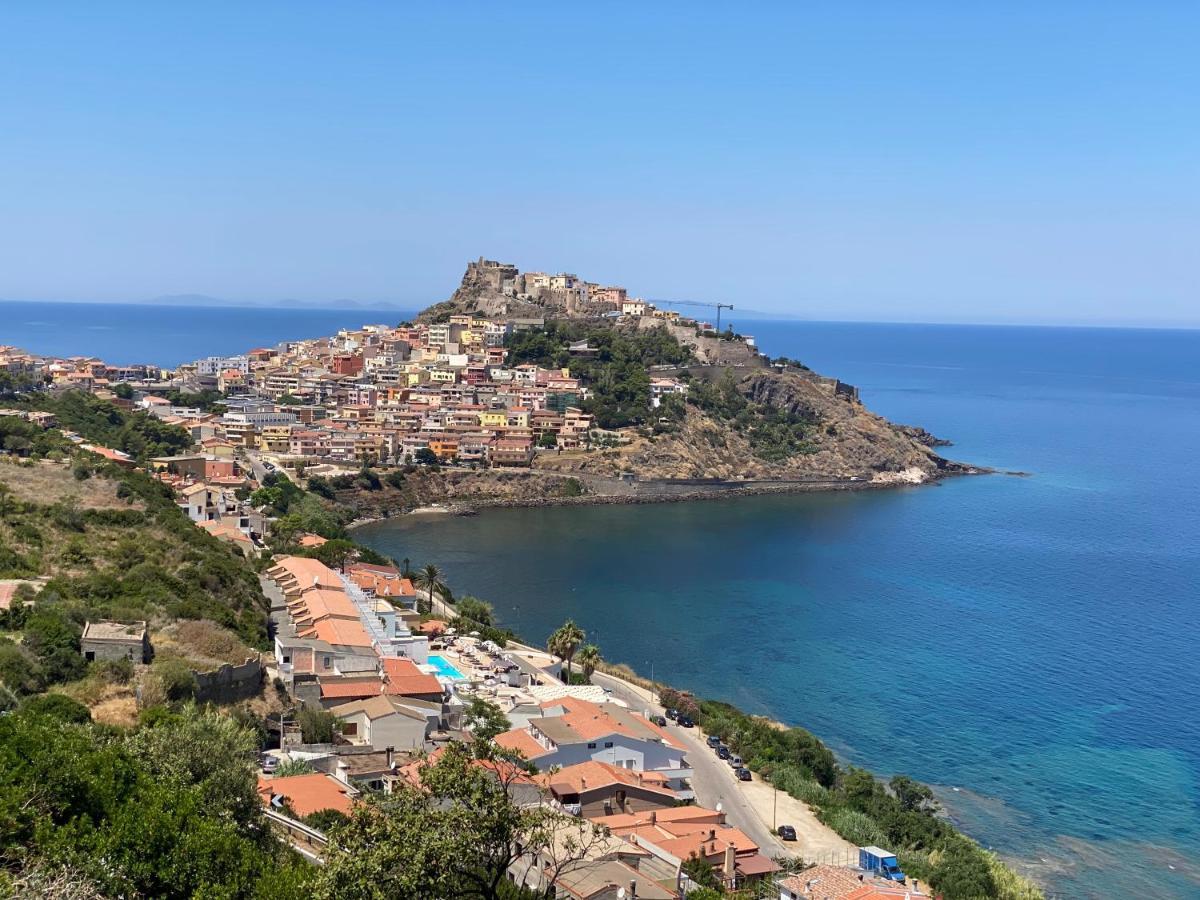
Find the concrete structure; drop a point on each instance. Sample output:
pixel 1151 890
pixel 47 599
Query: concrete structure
pixel 115 641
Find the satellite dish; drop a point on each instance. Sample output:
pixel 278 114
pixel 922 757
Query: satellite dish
pixel 720 808
pixel 620 893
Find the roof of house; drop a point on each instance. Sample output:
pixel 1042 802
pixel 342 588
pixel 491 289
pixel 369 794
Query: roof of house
pixel 377 707
pixel 843 883
pixel 403 678
pixel 621 822
pixel 584 721
pixel 593 775
pixel 592 878
pixel 520 740
pixel 307 794
pixel 338 632
pixel 350 688
pixel 311 540
pixel 114 631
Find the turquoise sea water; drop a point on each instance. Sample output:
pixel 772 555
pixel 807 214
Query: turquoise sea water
pixel 1031 646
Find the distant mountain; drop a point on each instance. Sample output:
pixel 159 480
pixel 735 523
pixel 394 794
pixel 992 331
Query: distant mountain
pixel 285 303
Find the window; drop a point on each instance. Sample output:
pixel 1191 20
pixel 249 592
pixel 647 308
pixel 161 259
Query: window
pixel 607 745
pixel 591 746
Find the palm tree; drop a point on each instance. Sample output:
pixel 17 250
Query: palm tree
pixel 430 578
pixel 589 658
pixel 565 642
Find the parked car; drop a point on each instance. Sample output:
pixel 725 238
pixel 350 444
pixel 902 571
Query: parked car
pixel 743 774
pixel 269 764
pixel 735 762
pixel 713 741
pixel 786 833
pixel 659 721
pixel 685 722
pixel 673 715
pixel 723 752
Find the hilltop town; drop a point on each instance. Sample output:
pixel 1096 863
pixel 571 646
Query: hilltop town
pixel 563 388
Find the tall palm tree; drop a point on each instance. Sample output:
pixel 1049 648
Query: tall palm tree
pixel 588 658
pixel 430 578
pixel 565 642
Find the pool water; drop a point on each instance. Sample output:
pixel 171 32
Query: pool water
pixel 446 669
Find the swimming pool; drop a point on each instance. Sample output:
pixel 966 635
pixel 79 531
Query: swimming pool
pixel 446 669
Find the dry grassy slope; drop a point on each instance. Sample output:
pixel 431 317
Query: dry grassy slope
pixel 849 440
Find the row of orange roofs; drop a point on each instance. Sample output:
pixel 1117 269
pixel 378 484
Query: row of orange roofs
pixel 318 603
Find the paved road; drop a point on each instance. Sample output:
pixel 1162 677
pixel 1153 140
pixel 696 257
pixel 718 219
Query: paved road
pixel 714 781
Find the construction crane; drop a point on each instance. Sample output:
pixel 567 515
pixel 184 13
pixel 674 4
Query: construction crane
pixel 717 306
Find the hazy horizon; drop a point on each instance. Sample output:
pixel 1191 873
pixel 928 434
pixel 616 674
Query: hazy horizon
pixel 927 163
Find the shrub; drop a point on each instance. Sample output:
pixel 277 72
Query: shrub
pixel 57 706
pixel 856 827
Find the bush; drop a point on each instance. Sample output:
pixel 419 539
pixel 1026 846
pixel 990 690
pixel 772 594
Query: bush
pixel 57 706
pixel 317 726
pixel 175 679
pixel 856 827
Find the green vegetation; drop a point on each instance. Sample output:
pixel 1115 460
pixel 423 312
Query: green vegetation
pixel 169 810
pixel 484 720
pixel 139 434
pixel 901 815
pixel 774 434
pixel 28 440
pixel 130 555
pixel 565 642
pixel 616 373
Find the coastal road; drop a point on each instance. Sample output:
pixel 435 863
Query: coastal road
pixel 714 781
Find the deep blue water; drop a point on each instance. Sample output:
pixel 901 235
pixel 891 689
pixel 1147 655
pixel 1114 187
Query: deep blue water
pixel 1032 642
pixel 127 333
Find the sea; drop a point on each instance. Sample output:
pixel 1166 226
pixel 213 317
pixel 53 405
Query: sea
pixel 1027 644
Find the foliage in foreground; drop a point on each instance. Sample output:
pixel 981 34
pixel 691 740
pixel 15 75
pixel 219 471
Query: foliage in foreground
pixel 168 811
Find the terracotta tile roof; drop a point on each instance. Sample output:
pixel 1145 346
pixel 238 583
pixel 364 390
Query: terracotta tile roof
pixel 307 794
pixel 341 632
pixel 592 775
pixel 311 540
pixel 403 678
pixel 843 883
pixel 348 688
pixel 521 741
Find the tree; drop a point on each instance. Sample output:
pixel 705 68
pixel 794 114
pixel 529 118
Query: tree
pixel 478 611
pixel 913 796
pixel 456 836
pixel 589 658
pixel 565 641
pixel 425 457
pixel 484 720
pixel 701 871
pixel 317 726
pixel 962 873
pixel 430 579
pixel 335 553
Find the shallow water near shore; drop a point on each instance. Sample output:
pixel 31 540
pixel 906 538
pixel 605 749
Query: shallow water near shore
pixel 1030 641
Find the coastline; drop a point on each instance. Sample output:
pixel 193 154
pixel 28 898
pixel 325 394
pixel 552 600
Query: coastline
pixel 472 506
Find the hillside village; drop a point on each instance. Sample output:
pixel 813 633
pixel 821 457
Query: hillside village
pixel 369 677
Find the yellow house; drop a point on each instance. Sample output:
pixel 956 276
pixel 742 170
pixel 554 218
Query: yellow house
pixel 275 438
pixel 493 418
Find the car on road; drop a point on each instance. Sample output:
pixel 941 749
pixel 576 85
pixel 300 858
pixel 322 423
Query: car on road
pixel 673 715
pixel 735 762
pixel 686 722
pixel 723 752
pixel 786 833
pixel 713 741
pixel 743 774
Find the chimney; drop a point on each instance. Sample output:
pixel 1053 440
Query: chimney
pixel 342 771
pixel 632 889
pixel 712 834
pixel 391 757
pixel 653 816
pixel 583 783
pixel 730 861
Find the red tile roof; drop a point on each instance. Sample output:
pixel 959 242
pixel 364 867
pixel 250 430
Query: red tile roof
pixel 307 794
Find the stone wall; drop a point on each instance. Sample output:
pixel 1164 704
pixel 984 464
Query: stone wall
pixel 229 684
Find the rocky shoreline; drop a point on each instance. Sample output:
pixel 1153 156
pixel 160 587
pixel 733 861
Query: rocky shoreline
pixel 472 506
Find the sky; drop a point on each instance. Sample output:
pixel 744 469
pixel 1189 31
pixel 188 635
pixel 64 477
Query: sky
pixel 1029 162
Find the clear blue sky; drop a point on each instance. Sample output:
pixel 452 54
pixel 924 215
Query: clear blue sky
pixel 1013 162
